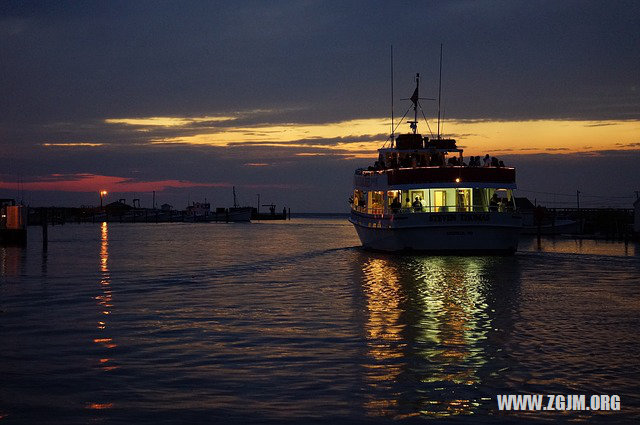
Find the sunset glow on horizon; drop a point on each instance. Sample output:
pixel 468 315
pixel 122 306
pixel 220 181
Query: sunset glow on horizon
pixel 88 182
pixel 364 136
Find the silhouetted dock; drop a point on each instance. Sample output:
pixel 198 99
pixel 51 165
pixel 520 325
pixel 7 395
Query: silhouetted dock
pixel 605 223
pixel 57 216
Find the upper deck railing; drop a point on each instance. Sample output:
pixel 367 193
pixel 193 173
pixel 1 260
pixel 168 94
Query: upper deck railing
pixel 433 174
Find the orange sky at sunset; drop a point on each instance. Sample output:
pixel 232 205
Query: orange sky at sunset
pixel 534 136
pixel 348 139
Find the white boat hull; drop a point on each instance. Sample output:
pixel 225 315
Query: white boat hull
pixel 440 232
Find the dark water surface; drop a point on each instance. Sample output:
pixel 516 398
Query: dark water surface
pixel 291 322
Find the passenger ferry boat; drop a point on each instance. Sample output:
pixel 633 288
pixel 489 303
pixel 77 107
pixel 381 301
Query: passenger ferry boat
pixel 420 195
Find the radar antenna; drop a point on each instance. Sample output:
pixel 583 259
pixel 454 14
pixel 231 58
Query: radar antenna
pixel 415 98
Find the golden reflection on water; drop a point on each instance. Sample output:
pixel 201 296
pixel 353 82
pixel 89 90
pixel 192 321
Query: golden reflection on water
pixel 105 298
pixel 434 305
pixel 105 304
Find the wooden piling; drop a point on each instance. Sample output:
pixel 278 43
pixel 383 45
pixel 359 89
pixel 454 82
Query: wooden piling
pixel 45 231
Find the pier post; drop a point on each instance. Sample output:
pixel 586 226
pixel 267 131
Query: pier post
pixel 45 231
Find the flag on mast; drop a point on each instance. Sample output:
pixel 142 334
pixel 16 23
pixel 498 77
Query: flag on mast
pixel 414 97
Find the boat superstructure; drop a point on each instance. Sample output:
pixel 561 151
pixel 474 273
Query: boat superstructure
pixel 422 195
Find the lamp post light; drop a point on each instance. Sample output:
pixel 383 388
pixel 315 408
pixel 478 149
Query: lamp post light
pixel 103 193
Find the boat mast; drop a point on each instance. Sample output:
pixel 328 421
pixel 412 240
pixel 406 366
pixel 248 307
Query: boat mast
pixel 414 98
pixel 393 139
pixel 235 200
pixel 439 91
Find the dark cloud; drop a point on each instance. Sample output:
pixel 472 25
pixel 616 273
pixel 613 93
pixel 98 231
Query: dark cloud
pixel 510 59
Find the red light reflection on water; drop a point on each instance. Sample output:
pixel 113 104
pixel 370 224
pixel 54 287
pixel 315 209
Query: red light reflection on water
pixel 99 406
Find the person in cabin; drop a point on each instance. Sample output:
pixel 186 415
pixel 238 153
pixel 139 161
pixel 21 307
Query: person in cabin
pixel 417 206
pixel 494 202
pixel 395 204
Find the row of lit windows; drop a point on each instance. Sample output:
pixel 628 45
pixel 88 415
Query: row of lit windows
pixel 434 200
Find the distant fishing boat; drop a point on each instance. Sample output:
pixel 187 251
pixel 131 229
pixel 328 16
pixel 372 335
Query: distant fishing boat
pixel 421 195
pixel 201 211
pixel 271 215
pixel 238 213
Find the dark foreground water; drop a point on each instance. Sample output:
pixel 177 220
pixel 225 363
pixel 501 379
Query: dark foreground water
pixel 291 322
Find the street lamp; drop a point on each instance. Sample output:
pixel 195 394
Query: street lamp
pixel 103 193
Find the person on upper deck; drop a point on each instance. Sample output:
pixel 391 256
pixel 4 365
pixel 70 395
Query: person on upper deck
pixel 433 160
pixel 494 161
pixel 487 160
